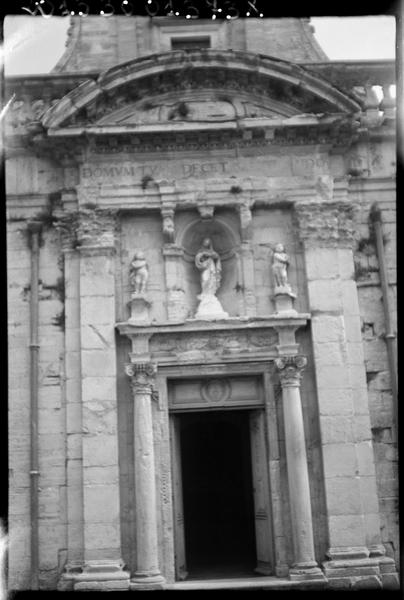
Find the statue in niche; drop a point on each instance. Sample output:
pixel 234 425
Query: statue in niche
pixel 280 263
pixel 208 261
pixel 139 273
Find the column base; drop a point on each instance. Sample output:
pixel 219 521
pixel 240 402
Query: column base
pixel 388 573
pixel 307 571
pixel 147 582
pixel 97 575
pixel 358 568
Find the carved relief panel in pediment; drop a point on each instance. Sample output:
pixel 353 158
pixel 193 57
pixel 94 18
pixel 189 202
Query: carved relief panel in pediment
pixel 208 106
pixel 226 77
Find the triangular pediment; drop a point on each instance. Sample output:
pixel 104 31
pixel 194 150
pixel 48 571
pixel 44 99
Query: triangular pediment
pixel 202 86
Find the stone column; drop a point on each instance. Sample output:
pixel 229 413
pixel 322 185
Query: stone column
pixel 74 457
pixel 103 565
pixel 356 555
pixel 290 372
pixel 147 575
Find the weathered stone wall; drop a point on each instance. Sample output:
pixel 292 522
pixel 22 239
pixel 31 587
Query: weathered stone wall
pixel 51 409
pixel 379 160
pixel 97 43
pixel 30 184
pixel 294 41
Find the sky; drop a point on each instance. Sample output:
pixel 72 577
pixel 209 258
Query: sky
pixel 35 44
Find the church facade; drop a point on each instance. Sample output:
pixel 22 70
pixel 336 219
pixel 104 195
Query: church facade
pixel 201 305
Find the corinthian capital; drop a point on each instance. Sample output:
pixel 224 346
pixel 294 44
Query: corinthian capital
pixel 290 369
pixel 142 376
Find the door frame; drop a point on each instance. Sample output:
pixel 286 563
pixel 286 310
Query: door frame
pixel 270 470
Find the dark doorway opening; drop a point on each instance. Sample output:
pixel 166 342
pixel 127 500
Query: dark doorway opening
pixel 218 494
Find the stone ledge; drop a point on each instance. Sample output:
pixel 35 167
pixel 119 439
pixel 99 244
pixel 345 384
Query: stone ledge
pixel 371 582
pixel 194 325
pixel 102 586
pixel 256 583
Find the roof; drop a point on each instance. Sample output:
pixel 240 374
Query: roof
pixel 97 43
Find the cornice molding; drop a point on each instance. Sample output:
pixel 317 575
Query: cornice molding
pixel 261 76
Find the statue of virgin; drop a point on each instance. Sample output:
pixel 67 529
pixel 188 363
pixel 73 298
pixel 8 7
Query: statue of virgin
pixel 208 262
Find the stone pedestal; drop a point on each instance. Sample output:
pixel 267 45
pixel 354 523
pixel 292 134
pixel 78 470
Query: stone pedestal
pixel 304 566
pixel 103 576
pixel 210 308
pixel 284 300
pixel 147 575
pixel 140 309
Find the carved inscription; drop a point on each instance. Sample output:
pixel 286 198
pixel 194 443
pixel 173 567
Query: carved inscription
pixel 307 165
pixel 261 166
pixel 183 170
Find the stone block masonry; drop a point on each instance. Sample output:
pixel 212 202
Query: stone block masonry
pixel 349 465
pixel 51 417
pixel 375 354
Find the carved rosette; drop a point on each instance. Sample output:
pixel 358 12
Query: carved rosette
pixel 326 223
pixel 142 377
pixel 290 369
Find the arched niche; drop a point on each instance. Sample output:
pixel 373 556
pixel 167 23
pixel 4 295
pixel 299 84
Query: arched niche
pixel 225 241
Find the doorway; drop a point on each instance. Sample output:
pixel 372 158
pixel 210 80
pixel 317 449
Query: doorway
pixel 217 493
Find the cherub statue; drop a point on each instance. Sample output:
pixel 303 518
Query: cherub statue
pixel 139 273
pixel 280 263
pixel 208 262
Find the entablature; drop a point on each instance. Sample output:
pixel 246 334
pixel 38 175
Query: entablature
pixel 229 340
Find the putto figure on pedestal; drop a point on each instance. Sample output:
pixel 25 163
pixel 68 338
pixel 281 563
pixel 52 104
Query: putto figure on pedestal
pixel 280 264
pixel 139 273
pixel 207 260
pixel 138 278
pixel 283 296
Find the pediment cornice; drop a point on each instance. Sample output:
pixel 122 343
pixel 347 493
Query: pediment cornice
pixel 236 85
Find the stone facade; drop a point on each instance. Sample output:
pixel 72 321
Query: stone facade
pixel 113 181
